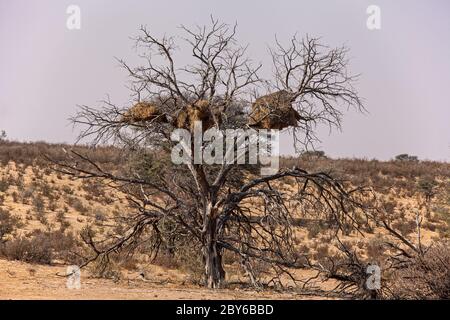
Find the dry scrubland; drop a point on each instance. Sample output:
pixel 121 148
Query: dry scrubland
pixel 43 215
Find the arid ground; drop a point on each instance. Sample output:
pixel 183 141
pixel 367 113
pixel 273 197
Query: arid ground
pixel 43 213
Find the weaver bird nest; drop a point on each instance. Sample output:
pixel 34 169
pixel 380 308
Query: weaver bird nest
pixel 274 111
pixel 144 112
pixel 199 111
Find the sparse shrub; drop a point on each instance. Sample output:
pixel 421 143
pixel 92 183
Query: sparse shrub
pixel 428 188
pixel 99 215
pixel 4 185
pixel 190 261
pixel 322 252
pixel 38 174
pixel 405 227
pixel 375 249
pixel 425 277
pixel 430 226
pixel 41 247
pixel 28 215
pixel 15 197
pixel 67 190
pixel 107 200
pixel 23 249
pixel 27 194
pixel 106 268
pixel 38 203
pixel 64 225
pixel 46 189
pixel 60 216
pixel 8 224
pixel 78 205
pixel 166 260
pixel 314 229
pixel 52 206
pixel 42 218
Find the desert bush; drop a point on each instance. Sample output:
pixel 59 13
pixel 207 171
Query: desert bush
pixel 427 187
pixel 8 224
pixel 99 214
pixel 23 249
pixel 183 255
pixel 61 218
pixel 94 189
pixel 425 277
pixel 4 185
pixel 317 227
pixel 166 260
pixel 107 200
pixel 27 194
pixel 41 247
pixel 375 249
pixel 67 190
pixel 405 227
pixel 38 174
pixel 430 226
pixel 38 203
pixel 15 197
pixel 78 205
pixel 42 218
pixel 106 268
pixel 322 252
pixel 52 206
pixel 46 189
pixel 442 214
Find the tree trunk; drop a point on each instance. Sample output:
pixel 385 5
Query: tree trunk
pixel 212 256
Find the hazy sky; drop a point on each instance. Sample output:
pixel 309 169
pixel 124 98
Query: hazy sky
pixel 46 69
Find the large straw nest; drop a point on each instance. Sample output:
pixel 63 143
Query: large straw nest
pixel 274 111
pixel 199 111
pixel 144 112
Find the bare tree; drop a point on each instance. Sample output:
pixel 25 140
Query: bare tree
pixel 224 207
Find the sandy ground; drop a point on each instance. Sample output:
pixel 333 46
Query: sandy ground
pixel 19 281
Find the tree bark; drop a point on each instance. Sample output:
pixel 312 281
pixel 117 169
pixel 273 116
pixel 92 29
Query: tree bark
pixel 212 255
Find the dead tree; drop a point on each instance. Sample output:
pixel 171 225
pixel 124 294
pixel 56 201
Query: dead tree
pixel 210 206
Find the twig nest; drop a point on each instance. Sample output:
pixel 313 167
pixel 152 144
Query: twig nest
pixel 199 111
pixel 274 111
pixel 144 112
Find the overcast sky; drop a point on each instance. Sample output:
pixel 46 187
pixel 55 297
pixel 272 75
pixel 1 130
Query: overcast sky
pixel 46 69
